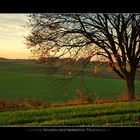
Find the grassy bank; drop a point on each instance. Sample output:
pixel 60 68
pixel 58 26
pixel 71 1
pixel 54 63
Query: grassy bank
pixel 109 114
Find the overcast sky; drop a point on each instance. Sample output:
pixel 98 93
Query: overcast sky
pixel 12 32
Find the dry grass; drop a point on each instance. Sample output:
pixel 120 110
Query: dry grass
pixel 32 103
pixel 83 98
pixel 20 104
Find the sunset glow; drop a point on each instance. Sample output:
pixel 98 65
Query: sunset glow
pixel 12 33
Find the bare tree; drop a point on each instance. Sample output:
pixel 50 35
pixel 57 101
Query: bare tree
pixel 114 36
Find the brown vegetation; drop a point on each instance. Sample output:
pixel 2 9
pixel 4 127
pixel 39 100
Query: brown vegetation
pixel 22 104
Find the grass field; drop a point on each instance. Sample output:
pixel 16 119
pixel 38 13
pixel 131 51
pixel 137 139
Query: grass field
pixel 112 114
pixel 26 80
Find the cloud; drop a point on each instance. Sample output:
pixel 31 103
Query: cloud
pixel 14 24
pixel 14 17
pixel 12 33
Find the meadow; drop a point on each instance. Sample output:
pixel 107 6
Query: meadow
pixel 30 97
pixel 107 114
pixel 28 80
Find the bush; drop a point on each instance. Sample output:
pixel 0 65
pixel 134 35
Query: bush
pixel 21 103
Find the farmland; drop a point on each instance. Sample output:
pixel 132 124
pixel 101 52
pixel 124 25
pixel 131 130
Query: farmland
pixel 112 114
pixel 28 80
pixel 25 81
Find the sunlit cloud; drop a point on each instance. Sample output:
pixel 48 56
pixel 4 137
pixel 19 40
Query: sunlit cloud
pixel 12 33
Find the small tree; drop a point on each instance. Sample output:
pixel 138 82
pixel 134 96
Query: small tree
pixel 114 36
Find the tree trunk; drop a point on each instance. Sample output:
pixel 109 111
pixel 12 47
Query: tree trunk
pixel 130 89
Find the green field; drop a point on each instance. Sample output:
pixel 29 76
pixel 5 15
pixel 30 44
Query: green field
pixel 113 114
pixel 27 80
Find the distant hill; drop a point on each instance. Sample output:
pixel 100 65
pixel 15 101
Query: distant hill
pixel 14 60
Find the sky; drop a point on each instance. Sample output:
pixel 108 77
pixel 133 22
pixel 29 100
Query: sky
pixel 12 36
